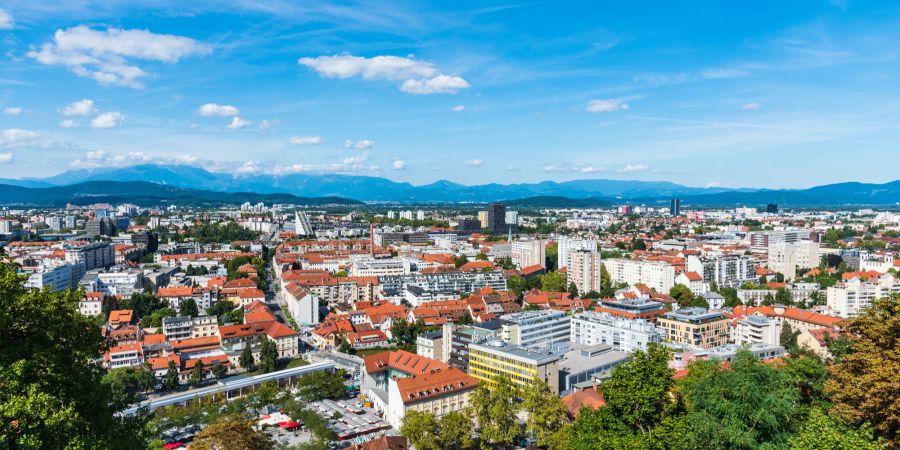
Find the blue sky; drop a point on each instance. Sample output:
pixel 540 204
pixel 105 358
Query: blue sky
pixel 756 94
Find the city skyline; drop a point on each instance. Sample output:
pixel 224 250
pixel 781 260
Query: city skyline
pixel 761 96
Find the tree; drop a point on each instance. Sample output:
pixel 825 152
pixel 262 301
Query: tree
pixel 233 433
pixel 554 282
pixel 747 405
pixel 188 307
pixel 573 290
pixel 127 383
pixel 606 285
pixel 319 385
pixel 638 391
pixel 171 379
pixel 683 295
pixel 515 284
pixel 638 244
pixel 783 297
pixel 219 371
pixel 51 393
pixel 731 298
pixel 788 337
pixel 496 413
pixel 246 359
pixel 823 432
pixel 460 260
pixel 456 431
pixel 481 257
pixel 547 414
pixel 421 428
pixel 197 373
pixel 859 384
pixel 268 356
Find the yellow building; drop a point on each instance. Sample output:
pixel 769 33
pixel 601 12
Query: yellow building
pixel 695 326
pixel 494 357
pixel 483 218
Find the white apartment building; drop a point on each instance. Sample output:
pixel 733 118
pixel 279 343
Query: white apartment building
pixel 302 305
pixel 584 270
pixel 565 246
pixel 654 274
pixel 52 274
pixel 528 253
pixel 848 299
pixel 756 329
pixel 535 328
pixel 592 328
pixel 786 258
pixel 724 270
pixel 367 266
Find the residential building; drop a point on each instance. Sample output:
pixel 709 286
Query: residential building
pixel 302 305
pixel 535 328
pixel 529 253
pixel 656 275
pixel 786 258
pixel 628 335
pixel 456 340
pixel 638 308
pixel 724 270
pixel 695 326
pixel 431 345
pixel 584 270
pixel 565 246
pixel 756 328
pixel 851 297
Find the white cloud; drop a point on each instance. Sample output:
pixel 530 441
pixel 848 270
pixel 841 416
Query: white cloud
pixel 6 158
pixel 613 104
pixel 712 74
pixel 16 137
pixel 106 56
pixel 99 158
pixel 68 123
pixel 420 77
pixel 217 110
pixel 6 21
pixel 306 140
pixel 362 144
pixel 458 108
pixel 377 68
pixel 475 162
pixel 751 106
pixel 108 120
pixel 249 167
pixel 399 164
pixel 266 124
pixel 573 168
pixel 12 110
pixel 629 168
pixel 237 123
pixel 350 164
pixel 80 108
pixel 441 84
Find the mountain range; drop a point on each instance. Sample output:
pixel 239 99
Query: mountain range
pixel 144 193
pixel 546 193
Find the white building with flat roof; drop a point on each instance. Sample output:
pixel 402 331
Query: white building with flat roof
pixel 654 274
pixel 628 335
pixel 534 328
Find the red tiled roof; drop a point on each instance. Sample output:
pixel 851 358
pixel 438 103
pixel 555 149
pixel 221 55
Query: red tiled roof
pixel 402 361
pixel 434 383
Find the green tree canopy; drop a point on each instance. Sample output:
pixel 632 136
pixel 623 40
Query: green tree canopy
pixel 51 390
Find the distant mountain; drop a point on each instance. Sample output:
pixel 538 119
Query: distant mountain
pixel 375 188
pixel 146 194
pixel 557 202
pixel 368 188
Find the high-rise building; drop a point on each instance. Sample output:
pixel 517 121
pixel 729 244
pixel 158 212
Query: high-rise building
pixel 565 246
pixel 724 270
pixel 535 328
pixel 512 217
pixel 772 208
pixel 301 224
pixel 584 270
pixel 496 217
pixel 657 275
pixel 786 258
pixel 528 253
pixel 628 335
pixel 483 219
pixel 675 207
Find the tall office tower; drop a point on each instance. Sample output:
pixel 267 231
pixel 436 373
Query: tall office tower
pixel 301 224
pixel 584 270
pixel 496 217
pixel 772 208
pixel 675 207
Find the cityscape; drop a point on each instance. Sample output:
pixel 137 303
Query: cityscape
pixel 668 229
